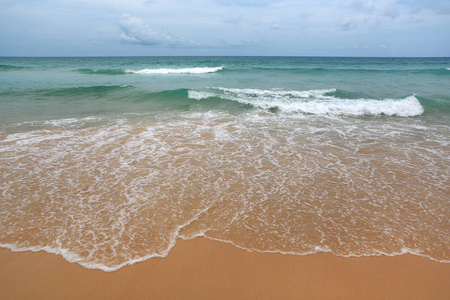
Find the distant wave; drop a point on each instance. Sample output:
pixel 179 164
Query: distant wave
pixel 10 68
pixel 436 71
pixel 319 102
pixel 159 71
pixel 102 71
pixel 162 71
pixel 205 70
pixel 81 91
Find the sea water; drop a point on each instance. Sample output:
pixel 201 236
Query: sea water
pixel 109 160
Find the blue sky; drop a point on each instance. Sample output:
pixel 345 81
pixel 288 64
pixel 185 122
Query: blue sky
pixel 225 27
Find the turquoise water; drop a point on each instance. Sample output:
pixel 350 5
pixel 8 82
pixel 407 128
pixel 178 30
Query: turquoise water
pixel 54 88
pixel 107 161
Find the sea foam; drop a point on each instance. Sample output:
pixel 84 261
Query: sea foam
pixel 318 102
pixel 163 71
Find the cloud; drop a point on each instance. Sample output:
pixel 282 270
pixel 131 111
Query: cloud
pixel 135 31
pixel 224 27
pixel 233 19
pixel 238 43
pixel 369 15
pixel 391 12
pixel 443 8
pixel 349 24
pixel 251 3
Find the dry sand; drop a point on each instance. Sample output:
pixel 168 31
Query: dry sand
pixel 205 269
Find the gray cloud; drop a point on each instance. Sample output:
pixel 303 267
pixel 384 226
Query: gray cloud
pixel 349 25
pixel 443 8
pixel 370 15
pixel 135 31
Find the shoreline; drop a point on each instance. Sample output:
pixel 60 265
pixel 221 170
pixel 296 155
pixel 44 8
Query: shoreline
pixel 208 269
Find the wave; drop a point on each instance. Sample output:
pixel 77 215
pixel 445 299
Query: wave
pixel 82 90
pixel 205 70
pixel 102 71
pixel 163 71
pixel 319 70
pixel 436 71
pixel 159 71
pixel 236 100
pixel 10 68
pixel 318 102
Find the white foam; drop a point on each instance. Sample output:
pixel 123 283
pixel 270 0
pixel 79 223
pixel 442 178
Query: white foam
pixel 326 249
pixel 75 258
pixel 197 95
pixel 316 102
pixel 407 107
pixel 70 121
pixel 276 93
pixel 264 158
pixel 163 71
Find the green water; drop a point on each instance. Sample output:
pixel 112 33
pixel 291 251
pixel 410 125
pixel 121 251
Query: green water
pixel 57 88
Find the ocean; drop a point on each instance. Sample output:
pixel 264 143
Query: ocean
pixel 108 161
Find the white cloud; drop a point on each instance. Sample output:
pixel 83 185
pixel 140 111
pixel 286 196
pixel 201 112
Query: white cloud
pixel 135 31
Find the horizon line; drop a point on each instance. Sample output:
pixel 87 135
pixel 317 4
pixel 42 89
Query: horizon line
pixel 306 56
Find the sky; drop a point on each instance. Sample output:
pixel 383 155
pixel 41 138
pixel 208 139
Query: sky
pixel 225 27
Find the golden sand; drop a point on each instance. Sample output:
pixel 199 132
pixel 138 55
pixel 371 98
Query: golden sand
pixel 205 269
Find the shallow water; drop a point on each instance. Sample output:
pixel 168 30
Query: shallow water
pixel 109 167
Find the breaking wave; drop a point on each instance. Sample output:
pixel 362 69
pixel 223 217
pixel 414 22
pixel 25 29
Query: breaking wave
pixel 163 71
pixel 318 102
pixel 159 71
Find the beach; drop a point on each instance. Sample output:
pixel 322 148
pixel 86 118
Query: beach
pixel 233 177
pixel 205 269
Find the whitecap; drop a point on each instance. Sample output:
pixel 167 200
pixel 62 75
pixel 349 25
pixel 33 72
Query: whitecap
pixel 163 71
pixel 199 95
pixel 317 102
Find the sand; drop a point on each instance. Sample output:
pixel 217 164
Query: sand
pixel 205 269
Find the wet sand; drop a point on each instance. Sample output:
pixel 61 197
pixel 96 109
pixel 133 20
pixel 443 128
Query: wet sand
pixel 205 269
